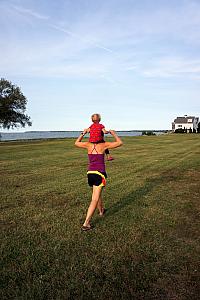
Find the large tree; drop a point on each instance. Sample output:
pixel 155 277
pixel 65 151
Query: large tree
pixel 198 128
pixel 12 106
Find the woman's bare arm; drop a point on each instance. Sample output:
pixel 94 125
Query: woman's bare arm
pixel 116 143
pixel 80 144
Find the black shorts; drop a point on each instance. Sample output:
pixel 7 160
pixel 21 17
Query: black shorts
pixel 97 179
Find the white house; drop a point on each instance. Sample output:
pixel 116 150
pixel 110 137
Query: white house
pixel 185 123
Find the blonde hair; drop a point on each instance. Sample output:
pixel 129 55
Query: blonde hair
pixel 97 116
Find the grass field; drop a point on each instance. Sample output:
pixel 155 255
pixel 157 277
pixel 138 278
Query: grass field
pixel 147 245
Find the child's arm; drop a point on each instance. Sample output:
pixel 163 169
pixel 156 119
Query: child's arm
pixel 105 131
pixel 87 130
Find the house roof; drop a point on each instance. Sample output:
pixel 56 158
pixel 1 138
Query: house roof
pixel 184 120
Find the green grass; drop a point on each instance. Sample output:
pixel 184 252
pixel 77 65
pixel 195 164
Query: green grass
pixel 147 245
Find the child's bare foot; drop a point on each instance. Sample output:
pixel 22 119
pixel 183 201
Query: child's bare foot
pixel 110 158
pixel 102 213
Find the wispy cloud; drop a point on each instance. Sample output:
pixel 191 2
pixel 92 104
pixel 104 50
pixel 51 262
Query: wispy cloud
pixel 26 60
pixel 109 79
pixel 103 43
pixel 173 67
pixel 101 47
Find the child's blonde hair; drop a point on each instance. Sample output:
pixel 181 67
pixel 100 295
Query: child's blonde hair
pixel 98 116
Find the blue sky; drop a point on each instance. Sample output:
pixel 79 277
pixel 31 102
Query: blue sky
pixel 135 62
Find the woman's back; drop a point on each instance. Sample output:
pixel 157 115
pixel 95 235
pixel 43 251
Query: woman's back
pixel 96 158
pixel 96 148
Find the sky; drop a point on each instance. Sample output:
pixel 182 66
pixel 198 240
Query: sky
pixel 137 63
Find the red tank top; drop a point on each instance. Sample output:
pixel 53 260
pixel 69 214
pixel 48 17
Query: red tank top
pixel 96 133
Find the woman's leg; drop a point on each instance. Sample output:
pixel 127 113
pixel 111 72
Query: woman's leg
pixel 96 194
pixel 100 205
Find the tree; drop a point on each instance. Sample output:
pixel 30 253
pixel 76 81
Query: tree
pixel 148 133
pixel 180 130
pixel 198 128
pixel 12 106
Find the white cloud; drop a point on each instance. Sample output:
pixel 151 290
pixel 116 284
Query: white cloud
pixel 173 67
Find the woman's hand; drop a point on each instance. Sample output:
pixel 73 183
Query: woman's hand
pixel 112 132
pixel 85 131
pixel 116 143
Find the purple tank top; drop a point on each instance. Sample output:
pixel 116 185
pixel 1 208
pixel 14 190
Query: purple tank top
pixel 96 162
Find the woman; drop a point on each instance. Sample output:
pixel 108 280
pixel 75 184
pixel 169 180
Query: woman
pixel 96 173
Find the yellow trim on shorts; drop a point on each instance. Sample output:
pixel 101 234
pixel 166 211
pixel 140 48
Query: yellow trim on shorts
pixel 98 173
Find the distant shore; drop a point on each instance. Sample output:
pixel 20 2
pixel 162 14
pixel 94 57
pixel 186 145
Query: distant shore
pixel 31 135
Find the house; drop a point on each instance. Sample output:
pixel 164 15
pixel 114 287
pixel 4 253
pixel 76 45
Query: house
pixel 186 122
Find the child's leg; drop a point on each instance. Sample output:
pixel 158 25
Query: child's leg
pixel 108 155
pixel 107 152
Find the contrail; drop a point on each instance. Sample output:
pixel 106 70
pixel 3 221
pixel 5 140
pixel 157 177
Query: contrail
pixel 80 38
pixel 109 79
pixel 104 48
pixel 30 12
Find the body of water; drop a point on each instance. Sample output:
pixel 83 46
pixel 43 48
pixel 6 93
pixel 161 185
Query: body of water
pixel 31 135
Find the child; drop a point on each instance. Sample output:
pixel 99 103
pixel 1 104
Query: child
pixel 97 131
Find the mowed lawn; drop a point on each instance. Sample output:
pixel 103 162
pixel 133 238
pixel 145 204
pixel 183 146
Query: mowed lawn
pixel 145 247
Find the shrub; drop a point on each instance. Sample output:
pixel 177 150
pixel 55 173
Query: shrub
pixel 180 130
pixel 148 133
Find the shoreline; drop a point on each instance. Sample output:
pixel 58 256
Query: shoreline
pixel 47 135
